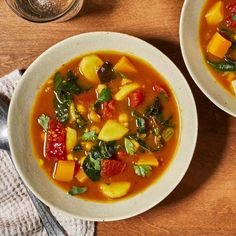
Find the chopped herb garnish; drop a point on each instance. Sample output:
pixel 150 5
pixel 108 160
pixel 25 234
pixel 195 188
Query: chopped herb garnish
pixel 77 190
pixel 129 146
pixel 43 121
pixel 142 170
pixel 89 136
pixel 104 96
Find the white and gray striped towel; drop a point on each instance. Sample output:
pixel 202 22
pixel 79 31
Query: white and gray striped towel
pixel 17 213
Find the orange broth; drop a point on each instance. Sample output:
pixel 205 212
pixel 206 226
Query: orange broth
pixel 147 77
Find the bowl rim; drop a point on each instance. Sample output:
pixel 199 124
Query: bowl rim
pixel 189 67
pixel 172 185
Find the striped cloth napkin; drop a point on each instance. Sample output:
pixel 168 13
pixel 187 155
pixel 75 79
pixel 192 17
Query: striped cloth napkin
pixel 17 213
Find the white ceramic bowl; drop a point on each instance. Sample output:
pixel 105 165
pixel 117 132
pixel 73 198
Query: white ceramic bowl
pixel 19 116
pixel 194 59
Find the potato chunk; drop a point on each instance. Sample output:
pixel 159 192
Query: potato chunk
pixel 124 65
pixel 64 171
pixel 89 66
pixel 215 14
pixel 147 159
pixel 115 190
pixel 125 90
pixel 112 131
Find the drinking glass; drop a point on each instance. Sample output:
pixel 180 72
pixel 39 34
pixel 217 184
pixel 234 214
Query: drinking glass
pixel 46 10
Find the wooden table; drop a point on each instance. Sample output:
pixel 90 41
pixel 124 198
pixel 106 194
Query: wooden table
pixel 204 203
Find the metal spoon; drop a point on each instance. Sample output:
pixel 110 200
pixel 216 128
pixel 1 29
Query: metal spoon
pixel 50 223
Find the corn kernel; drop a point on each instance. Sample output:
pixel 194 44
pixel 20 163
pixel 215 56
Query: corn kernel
pixel 94 116
pixel 95 128
pixel 100 87
pixel 123 117
pixel 88 146
pixel 80 108
pixel 125 81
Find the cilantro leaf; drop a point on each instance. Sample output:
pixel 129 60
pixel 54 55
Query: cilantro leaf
pixel 142 170
pixel 129 146
pixel 77 190
pixel 89 136
pixel 140 122
pixel 92 168
pixel 43 121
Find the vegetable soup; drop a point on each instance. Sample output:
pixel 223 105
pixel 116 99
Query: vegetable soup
pixel 105 126
pixel 218 41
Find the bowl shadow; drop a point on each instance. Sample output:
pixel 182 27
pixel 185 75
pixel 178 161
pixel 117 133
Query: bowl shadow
pixel 212 131
pixel 96 7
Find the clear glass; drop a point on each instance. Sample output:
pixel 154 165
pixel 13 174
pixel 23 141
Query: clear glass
pixel 46 10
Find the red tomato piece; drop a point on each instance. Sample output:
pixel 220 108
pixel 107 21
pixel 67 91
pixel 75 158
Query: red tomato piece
pixel 122 154
pixel 111 167
pixel 135 98
pixel 159 89
pixel 231 15
pixel 108 108
pixel 56 141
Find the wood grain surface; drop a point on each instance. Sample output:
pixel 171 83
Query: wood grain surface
pixel 204 203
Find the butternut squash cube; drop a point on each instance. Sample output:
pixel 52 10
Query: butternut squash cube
pixel 125 90
pixel 147 159
pixel 64 171
pixel 81 176
pixel 215 14
pixel 218 45
pixel 71 139
pixel 89 66
pixel 116 189
pixel 124 65
pixel 112 131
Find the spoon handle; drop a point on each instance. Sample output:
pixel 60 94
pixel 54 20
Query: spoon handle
pixel 49 222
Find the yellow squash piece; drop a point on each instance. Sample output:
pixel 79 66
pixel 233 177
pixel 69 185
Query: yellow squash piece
pixel 112 131
pixel 64 171
pixel 81 176
pixel 89 66
pixel 116 189
pixel 147 159
pixel 71 139
pixel 125 90
pixel 124 65
pixel 218 45
pixel 215 14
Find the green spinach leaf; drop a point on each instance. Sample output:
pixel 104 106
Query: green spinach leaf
pixel 92 168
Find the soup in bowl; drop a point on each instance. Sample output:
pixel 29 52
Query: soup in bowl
pixel 208 49
pixel 109 126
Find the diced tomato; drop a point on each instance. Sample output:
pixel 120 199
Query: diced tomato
pixel 56 141
pixel 159 90
pixel 122 154
pixel 231 15
pixel 135 98
pixel 111 167
pixel 108 108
